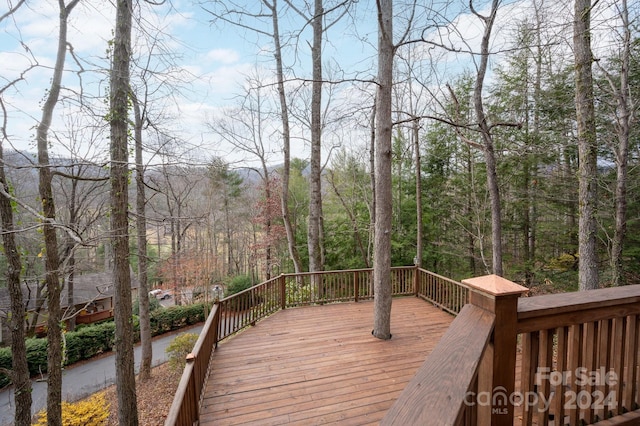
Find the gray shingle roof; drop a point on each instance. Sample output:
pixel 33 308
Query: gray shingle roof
pixel 86 287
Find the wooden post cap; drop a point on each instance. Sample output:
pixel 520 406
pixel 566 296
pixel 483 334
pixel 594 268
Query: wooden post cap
pixel 494 285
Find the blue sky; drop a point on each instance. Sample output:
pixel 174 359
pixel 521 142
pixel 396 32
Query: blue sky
pixel 212 60
pixel 216 59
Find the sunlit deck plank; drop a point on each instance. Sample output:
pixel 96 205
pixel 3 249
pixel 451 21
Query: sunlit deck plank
pixel 320 365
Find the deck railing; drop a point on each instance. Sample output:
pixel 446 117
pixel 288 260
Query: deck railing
pixel 580 356
pixel 244 309
pixel 445 293
pixel 578 361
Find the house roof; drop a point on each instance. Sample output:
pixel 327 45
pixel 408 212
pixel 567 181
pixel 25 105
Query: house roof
pixel 86 288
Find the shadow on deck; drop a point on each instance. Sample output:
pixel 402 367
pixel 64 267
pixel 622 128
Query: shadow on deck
pixel 320 364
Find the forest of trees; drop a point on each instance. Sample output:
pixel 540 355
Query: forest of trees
pixel 470 138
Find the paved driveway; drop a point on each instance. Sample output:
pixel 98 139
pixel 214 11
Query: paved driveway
pixel 87 377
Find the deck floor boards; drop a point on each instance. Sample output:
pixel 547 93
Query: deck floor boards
pixel 320 364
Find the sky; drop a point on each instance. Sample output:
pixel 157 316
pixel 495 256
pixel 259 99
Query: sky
pixel 204 67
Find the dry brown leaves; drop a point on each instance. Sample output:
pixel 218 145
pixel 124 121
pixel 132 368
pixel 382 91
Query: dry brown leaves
pixel 154 396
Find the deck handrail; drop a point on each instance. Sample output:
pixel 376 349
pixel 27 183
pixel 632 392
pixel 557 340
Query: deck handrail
pixel 442 391
pixel 445 293
pixel 232 314
pixel 188 395
pixel 579 361
pixel 578 346
pixel 474 358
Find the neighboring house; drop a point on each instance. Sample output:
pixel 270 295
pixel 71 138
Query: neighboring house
pixel 92 298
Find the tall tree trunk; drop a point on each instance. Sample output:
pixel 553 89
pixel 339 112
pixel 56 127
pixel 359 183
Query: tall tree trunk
pixel 372 174
pixel 125 374
pixel 141 215
pixel 623 126
pixel 468 212
pixel 419 221
pixel 20 377
pixel 228 237
pixel 52 260
pixel 587 147
pixel 71 257
pixel 383 192
pixel 286 142
pixel 489 150
pixel 315 178
pixel 532 189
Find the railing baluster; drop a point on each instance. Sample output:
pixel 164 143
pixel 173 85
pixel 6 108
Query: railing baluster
pixel 545 362
pixel 618 349
pixel 528 370
pixel 561 366
pixel 590 358
pixel 631 361
pixel 575 358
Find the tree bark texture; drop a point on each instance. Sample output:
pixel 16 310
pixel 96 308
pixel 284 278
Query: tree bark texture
pixel 143 285
pixel 286 141
pixel 383 192
pixel 587 147
pixel 487 138
pixel 20 377
pixel 315 183
pixel 125 375
pixel 419 221
pixel 624 118
pixel 52 259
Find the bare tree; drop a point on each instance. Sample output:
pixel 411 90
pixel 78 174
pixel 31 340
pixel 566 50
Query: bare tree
pixel 383 193
pixel 624 115
pixel 235 15
pixel 141 226
pixel 20 375
pixel 487 137
pixel 80 186
pixel 317 18
pixel 286 140
pixel 52 259
pixel 587 147
pixel 20 369
pixel 245 128
pixel 314 232
pixel 118 120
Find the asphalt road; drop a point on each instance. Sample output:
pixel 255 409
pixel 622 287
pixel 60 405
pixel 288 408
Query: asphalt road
pixel 86 378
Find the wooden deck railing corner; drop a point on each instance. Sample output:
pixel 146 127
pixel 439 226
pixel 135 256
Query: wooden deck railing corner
pixel 500 296
pixel 570 358
pixel 476 356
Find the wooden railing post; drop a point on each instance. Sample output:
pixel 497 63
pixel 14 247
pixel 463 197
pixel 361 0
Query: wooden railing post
pixel 283 292
pixel 356 287
pixel 499 296
pixel 416 278
pixel 193 402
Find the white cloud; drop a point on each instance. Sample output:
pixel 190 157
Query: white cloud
pixel 223 56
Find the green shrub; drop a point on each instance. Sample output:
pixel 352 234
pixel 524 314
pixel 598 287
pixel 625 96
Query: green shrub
pixel 238 284
pixel 244 301
pixel 297 293
pixel 37 356
pixel 179 348
pixel 5 363
pixel 153 305
pixel 176 317
pixel 92 340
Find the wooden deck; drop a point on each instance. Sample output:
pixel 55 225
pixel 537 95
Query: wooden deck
pixel 320 364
